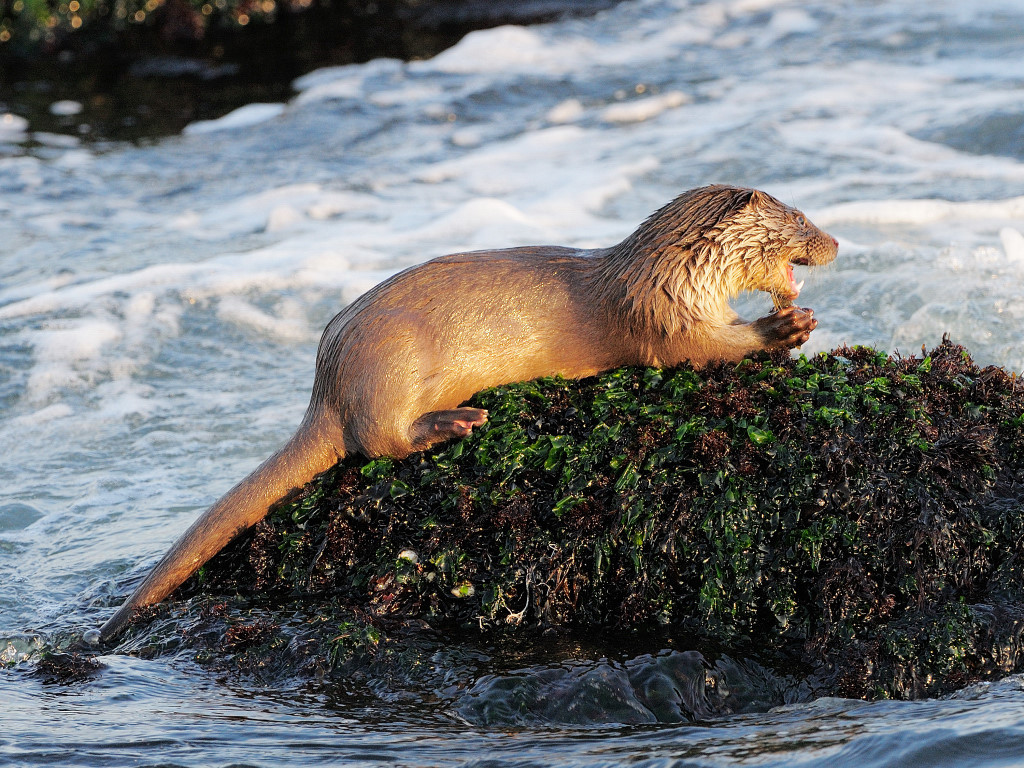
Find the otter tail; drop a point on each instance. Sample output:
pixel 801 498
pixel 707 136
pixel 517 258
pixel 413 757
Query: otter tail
pixel 313 449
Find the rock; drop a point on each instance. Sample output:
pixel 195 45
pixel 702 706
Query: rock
pixel 852 518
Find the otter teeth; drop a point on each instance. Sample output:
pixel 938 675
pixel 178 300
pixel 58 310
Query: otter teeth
pixel 798 286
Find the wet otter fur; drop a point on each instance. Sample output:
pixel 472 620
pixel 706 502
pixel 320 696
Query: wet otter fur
pixel 394 366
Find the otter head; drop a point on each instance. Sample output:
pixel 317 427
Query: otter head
pixel 770 237
pixel 686 261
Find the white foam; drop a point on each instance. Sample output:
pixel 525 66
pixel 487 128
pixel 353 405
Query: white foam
pixel 744 7
pixel 122 398
pixel 467 137
pixel 341 88
pixel 243 117
pixel 252 213
pixel 79 295
pixel 289 325
pixel 533 166
pixel 792 21
pixel 42 416
pixel 410 94
pixel 66 108
pixel 360 72
pixel 1013 243
pixel 340 83
pixel 330 204
pixel 567 111
pixel 282 217
pixel 74 158
pixel 920 212
pixel 506 50
pixel 58 140
pixel 644 109
pixel 482 222
pixel 13 128
pixel 63 353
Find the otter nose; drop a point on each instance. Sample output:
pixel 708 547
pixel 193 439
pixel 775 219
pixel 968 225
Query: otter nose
pixel 834 241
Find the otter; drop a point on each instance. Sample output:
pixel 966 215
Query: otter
pixel 394 367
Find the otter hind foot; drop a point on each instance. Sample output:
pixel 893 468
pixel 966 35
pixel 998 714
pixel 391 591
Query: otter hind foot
pixel 787 328
pixel 438 426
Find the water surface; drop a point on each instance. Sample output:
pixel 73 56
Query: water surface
pixel 160 308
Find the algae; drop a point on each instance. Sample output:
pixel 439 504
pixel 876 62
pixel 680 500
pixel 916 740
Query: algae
pixel 854 518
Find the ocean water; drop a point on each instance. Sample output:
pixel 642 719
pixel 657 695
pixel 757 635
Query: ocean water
pixel 160 307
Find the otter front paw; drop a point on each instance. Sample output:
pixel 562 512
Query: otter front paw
pixel 789 327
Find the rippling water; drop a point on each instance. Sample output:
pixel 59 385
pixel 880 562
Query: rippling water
pixel 160 308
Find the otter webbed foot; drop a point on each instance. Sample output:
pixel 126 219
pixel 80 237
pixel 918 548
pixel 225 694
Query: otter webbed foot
pixel 789 327
pixel 438 426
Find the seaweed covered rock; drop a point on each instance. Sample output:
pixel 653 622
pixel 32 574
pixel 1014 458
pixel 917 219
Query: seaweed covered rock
pixel 853 516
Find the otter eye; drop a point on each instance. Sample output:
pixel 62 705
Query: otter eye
pixel 801 222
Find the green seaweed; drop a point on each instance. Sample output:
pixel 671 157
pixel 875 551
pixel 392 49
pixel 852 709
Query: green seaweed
pixel 854 514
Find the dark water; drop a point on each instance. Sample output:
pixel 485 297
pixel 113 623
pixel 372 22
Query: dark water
pixel 154 79
pixel 148 713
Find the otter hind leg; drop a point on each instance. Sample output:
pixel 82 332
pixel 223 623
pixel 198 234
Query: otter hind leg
pixel 438 426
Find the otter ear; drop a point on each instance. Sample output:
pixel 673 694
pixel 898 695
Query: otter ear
pixel 759 199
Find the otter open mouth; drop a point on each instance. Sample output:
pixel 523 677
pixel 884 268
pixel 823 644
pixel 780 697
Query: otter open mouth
pixel 780 299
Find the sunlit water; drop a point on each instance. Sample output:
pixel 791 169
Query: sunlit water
pixel 160 308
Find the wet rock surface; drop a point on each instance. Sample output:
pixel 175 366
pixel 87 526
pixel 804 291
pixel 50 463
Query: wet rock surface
pixel 848 524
